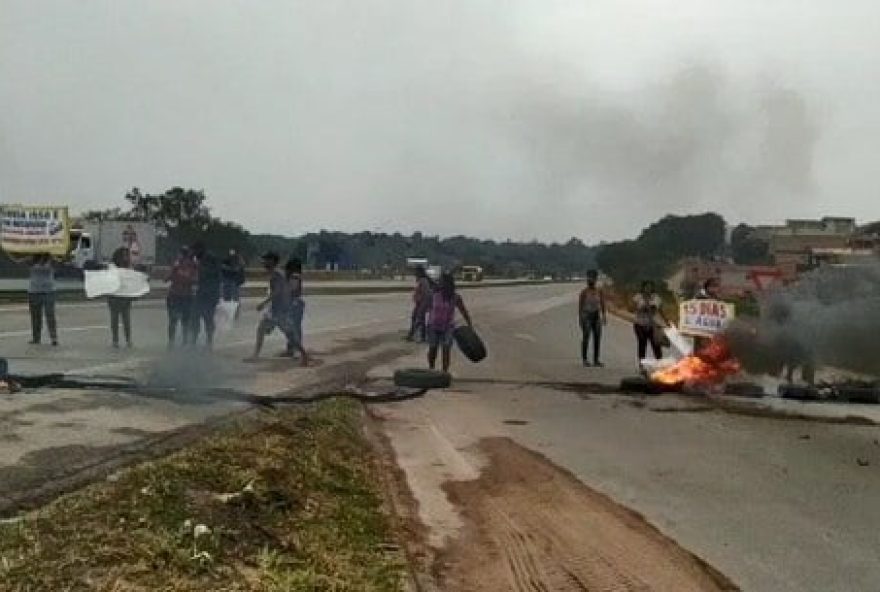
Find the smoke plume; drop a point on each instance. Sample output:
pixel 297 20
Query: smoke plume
pixel 831 317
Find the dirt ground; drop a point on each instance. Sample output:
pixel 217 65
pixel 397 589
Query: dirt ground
pixel 530 526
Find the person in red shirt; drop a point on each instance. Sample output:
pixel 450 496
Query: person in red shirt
pixel 182 280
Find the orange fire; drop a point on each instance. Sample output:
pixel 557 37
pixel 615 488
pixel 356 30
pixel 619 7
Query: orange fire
pixel 711 365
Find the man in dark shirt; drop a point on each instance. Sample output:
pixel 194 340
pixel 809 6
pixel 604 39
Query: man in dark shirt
pixel 182 280
pixel 207 293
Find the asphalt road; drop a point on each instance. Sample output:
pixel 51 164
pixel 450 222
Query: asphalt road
pixel 775 504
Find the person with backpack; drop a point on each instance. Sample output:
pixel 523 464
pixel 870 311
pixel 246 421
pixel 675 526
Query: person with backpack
pixel 179 302
pixel 441 324
pixel 207 293
pixel 592 315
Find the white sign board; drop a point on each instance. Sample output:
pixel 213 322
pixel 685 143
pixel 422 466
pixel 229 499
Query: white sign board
pixel 705 318
pixel 116 281
pixel 34 229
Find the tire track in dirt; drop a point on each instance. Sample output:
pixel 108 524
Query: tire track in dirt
pixel 532 527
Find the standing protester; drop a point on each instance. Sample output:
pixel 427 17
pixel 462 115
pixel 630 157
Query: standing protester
pixel 647 305
pixel 207 294
pixel 710 291
pixel 592 314
pixel 233 276
pixel 182 280
pixel 120 306
pixel 41 299
pixel 293 274
pixel 278 315
pixel 444 302
pixel 421 305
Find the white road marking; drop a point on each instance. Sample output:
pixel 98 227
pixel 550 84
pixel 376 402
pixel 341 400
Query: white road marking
pixel 27 333
pixel 526 337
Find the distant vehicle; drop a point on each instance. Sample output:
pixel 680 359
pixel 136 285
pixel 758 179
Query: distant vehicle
pixel 93 243
pixel 413 262
pixel 471 273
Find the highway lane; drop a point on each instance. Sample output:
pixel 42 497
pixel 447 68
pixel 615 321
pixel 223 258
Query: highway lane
pixel 48 433
pixel 775 504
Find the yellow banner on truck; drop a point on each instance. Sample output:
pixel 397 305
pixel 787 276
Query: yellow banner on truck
pixel 29 230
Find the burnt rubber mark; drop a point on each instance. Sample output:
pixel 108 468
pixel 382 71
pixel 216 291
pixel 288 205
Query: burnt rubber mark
pixel 516 422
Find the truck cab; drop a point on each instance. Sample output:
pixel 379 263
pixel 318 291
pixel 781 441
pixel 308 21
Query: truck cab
pixel 82 249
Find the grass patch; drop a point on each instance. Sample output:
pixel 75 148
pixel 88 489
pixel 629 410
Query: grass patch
pixel 287 503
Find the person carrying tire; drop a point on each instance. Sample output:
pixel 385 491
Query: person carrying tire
pixel 441 323
pixel 647 305
pixel 592 315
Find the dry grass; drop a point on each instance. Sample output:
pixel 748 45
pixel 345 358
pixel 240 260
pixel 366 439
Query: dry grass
pixel 290 503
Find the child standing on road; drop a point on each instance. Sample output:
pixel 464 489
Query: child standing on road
pixel 441 324
pixel 592 315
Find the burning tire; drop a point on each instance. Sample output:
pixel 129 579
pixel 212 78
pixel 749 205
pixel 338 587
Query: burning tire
pixel 744 389
pixel 639 385
pixel 798 392
pixel 422 378
pixel 859 394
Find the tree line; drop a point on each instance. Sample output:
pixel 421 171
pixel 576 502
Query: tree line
pixel 182 216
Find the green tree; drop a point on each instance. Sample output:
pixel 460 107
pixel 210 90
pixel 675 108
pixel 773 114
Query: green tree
pixel 748 249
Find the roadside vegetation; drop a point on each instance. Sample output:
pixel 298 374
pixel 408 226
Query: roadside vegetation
pixel 285 503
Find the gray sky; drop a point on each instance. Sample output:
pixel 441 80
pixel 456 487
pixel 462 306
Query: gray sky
pixel 543 119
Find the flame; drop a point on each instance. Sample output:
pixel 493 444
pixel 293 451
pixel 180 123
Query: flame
pixel 711 365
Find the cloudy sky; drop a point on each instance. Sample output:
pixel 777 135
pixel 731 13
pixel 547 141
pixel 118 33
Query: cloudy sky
pixel 525 119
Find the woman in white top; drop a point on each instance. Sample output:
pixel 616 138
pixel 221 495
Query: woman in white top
pixel 647 305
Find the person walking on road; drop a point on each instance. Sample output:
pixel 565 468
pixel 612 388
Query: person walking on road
pixel 120 306
pixel 293 275
pixel 207 294
pixel 421 305
pixel 278 315
pixel 441 324
pixel 179 301
pixel 647 305
pixel 41 299
pixel 592 315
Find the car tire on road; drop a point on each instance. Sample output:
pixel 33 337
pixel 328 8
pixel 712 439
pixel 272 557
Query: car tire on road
pixel 422 378
pixel 798 392
pixel 470 343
